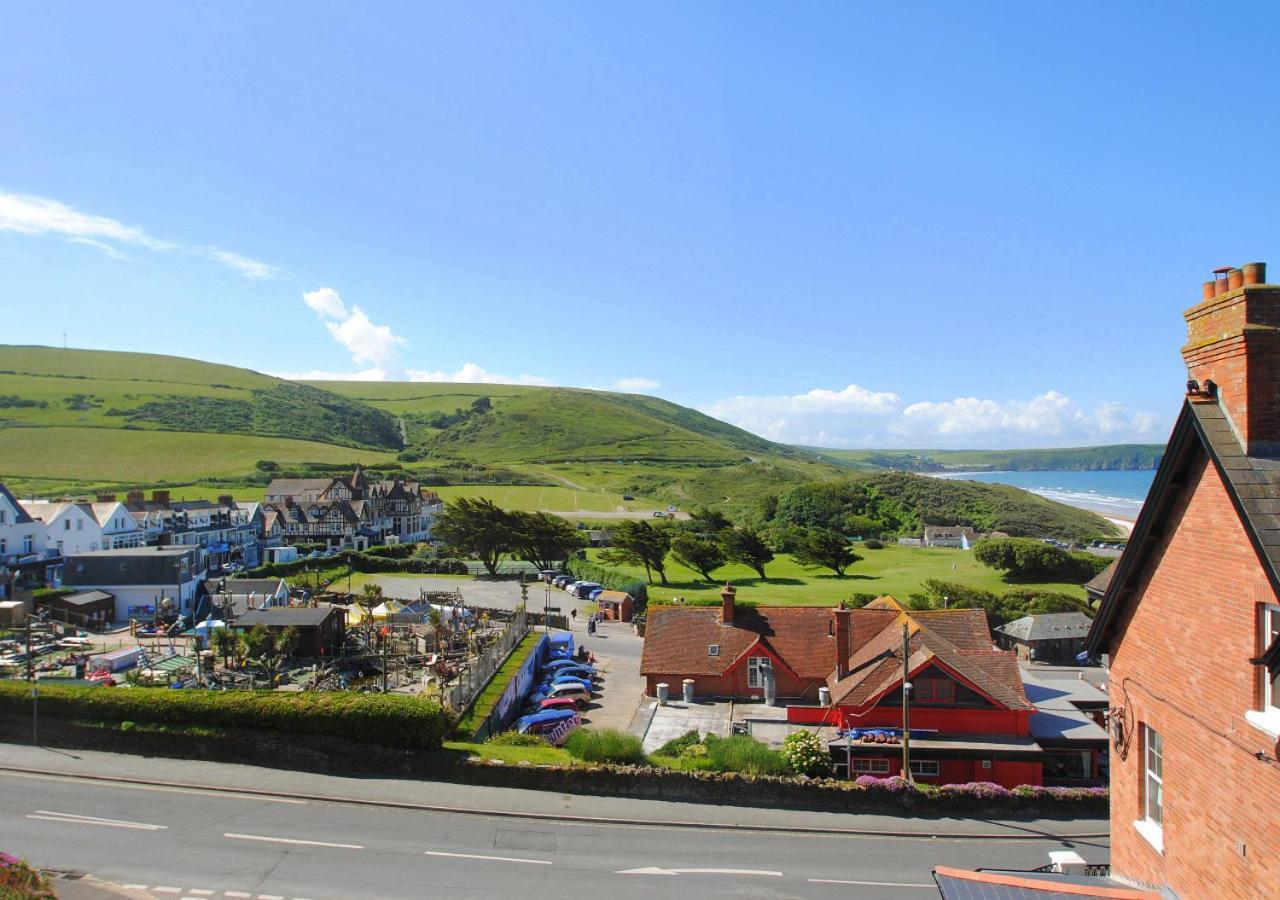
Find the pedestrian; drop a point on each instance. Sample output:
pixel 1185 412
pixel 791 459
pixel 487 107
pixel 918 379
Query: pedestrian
pixel 573 614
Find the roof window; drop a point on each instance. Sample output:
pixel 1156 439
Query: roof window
pixel 713 650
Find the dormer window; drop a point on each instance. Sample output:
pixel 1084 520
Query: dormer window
pixel 713 650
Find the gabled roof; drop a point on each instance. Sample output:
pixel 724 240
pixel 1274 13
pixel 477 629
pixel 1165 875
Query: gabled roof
pixel 1048 627
pixel 1252 482
pixel 1099 583
pixel 677 639
pixel 21 516
pixel 284 616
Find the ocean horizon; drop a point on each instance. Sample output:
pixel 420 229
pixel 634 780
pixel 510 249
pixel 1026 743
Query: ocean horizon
pixel 1117 492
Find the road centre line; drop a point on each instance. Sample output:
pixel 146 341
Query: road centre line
pixel 658 870
pixel 511 859
pixel 901 884
pixel 279 840
pixel 75 819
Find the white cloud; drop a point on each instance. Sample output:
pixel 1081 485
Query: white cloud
pixel 636 384
pixel 250 268
pixel 42 216
pixel 326 302
pixel 322 375
pixel 470 373
pixel 857 417
pixel 351 327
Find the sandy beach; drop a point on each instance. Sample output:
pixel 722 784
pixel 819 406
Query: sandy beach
pixel 1126 524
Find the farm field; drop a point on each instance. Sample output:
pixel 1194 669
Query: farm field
pixel 537 497
pixel 895 570
pixel 103 455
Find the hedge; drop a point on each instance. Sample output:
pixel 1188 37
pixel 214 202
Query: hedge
pixel 388 720
pixel 362 562
pixel 614 580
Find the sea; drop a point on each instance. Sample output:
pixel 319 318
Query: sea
pixel 1119 493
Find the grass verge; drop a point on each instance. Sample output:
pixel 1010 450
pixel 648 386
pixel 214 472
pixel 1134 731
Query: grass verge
pixel 468 724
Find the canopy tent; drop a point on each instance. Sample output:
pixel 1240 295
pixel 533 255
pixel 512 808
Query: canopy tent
pixel 388 608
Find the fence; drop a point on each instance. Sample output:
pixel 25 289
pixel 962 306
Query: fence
pixel 470 683
pixel 508 705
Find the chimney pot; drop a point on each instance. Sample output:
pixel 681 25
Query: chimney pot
pixel 1235 278
pixel 1209 290
pixel 1254 273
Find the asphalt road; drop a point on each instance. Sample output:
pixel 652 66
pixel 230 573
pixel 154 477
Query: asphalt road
pixel 177 842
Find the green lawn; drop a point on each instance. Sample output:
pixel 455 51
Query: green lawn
pixel 489 696
pixel 895 570
pixel 536 497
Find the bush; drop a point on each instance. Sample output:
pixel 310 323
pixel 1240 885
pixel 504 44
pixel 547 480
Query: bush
pixel 392 551
pixel 18 881
pixel 516 739
pixel 386 719
pixel 677 746
pixel 363 562
pixel 1025 559
pixel 873 544
pixel 611 579
pixel 605 745
pixel 806 755
pixel 740 753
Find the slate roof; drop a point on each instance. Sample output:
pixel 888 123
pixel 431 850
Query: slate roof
pixel 85 598
pixel 262 587
pixel 284 616
pixel 1253 483
pixel 1099 583
pixel 1048 627
pixel 21 515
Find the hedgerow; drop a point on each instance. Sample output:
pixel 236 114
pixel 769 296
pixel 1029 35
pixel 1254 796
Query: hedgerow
pixel 384 719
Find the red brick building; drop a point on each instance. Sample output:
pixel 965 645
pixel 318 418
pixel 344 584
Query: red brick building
pixel 970 716
pixel 1191 620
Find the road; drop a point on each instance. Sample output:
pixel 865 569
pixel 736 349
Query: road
pixel 179 842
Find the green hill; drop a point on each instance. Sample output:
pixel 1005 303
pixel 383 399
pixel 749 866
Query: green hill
pixel 1066 459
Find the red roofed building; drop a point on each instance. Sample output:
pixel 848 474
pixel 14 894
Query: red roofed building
pixel 970 718
pixel 1191 621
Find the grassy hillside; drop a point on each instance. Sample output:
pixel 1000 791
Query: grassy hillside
pixel 45 387
pixel 1110 457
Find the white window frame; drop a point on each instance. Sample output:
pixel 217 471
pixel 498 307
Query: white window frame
pixel 756 667
pixel 862 765
pixel 925 768
pixel 1267 716
pixel 1150 826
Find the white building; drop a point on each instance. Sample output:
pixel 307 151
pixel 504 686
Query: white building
pixel 20 535
pixel 140 578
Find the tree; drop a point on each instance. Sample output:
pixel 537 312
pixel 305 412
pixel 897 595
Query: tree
pixel 709 522
pixel 698 553
pixel 477 526
pixel 637 543
pixel 266 465
pixel 225 643
pixel 746 546
pixel 271 648
pixel 544 540
pixel 481 405
pixel 825 548
pixel 370 596
pixel 1027 559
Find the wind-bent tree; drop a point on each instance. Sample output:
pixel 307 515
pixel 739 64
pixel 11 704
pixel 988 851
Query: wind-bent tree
pixel 637 543
pixel 709 522
pixel 544 540
pixel 746 546
pixel 477 526
pixel 827 549
pixel 698 553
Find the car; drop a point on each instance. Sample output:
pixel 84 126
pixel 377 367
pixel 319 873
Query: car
pixel 573 692
pixel 545 720
pixel 586 676
pixel 560 580
pixel 570 586
pixel 557 664
pixel 595 594
pixel 547 574
pixel 627 497
pixel 659 514
pixel 583 589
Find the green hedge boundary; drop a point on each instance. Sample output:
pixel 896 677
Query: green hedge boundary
pixel 368 563
pixel 386 720
pixel 612 579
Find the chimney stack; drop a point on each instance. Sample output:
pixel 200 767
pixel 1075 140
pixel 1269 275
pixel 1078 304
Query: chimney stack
pixel 726 599
pixel 160 497
pixel 226 500
pixel 106 498
pixel 843 650
pixel 135 498
pixel 1233 342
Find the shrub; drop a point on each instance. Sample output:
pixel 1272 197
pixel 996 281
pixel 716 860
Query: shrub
pixel 605 745
pixel 386 719
pixel 873 544
pixel 516 739
pixel 895 784
pixel 741 753
pixel 806 755
pixel 677 746
pixel 18 881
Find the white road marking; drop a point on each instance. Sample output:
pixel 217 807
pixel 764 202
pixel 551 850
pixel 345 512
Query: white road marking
pixel 656 870
pixel 902 884
pixel 134 887
pixel 200 892
pixel 240 894
pixel 230 793
pixel 270 897
pixel 280 840
pixel 512 859
pixel 166 890
pixel 76 819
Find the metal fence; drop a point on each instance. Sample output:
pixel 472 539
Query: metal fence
pixel 470 683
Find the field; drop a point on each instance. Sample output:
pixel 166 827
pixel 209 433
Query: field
pixel 552 499
pixel 895 570
pixel 103 455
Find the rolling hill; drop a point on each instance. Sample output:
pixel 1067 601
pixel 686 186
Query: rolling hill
pixel 80 421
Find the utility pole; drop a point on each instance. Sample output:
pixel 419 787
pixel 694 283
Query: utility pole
pixel 906 702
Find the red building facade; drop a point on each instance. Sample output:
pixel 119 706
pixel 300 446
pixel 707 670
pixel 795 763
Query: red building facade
pixel 1188 618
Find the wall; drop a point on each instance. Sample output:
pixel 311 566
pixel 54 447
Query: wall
pixel 1180 662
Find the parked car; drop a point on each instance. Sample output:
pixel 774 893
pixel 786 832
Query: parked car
pixel 594 595
pixel 569 586
pixel 547 574
pixel 583 589
pixel 659 514
pixel 627 497
pixel 573 692
pixel 557 703
pixel 557 664
pixel 561 580
pixel 544 721
pixel 584 675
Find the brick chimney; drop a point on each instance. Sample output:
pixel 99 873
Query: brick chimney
pixel 843 650
pixel 136 498
pixel 1233 353
pixel 726 600
pixel 106 498
pixel 161 497
pixel 226 500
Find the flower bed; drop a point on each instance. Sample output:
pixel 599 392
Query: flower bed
pixel 18 881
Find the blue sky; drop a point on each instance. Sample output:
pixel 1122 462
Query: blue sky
pixel 953 225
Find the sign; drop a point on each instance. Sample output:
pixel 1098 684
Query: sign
pixel 551 609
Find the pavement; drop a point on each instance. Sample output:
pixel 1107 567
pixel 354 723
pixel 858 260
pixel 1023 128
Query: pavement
pixel 176 828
